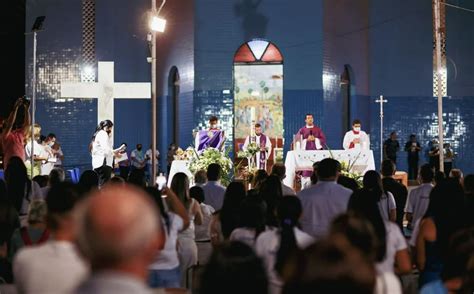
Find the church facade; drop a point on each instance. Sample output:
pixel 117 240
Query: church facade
pixel 336 58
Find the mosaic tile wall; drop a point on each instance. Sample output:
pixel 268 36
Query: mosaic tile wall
pixel 418 115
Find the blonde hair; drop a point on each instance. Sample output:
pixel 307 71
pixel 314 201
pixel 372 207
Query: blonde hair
pixel 36 132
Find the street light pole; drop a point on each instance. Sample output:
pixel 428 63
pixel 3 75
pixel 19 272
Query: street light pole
pixel 439 73
pixel 153 99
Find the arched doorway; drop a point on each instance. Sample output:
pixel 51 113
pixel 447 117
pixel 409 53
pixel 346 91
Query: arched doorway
pixel 173 105
pixel 258 91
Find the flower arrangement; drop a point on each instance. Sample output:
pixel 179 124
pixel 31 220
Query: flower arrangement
pixel 347 169
pixel 252 149
pixel 211 155
pixel 184 154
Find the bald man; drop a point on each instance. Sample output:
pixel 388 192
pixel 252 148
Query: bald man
pixel 119 233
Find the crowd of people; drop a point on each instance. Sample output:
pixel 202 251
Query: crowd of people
pixel 128 237
pixel 115 233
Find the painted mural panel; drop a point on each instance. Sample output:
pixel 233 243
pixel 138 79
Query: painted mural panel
pixel 258 95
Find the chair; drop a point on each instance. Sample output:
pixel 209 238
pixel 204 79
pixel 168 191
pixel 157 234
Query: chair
pixel 77 172
pixel 72 174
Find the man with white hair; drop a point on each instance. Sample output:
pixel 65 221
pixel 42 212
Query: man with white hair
pixel 119 233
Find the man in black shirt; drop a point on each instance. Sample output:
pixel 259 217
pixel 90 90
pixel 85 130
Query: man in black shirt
pixel 398 190
pixel 412 147
pixel 391 147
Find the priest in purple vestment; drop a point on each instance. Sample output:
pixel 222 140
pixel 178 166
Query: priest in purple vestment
pixel 210 138
pixel 313 139
pixel 265 146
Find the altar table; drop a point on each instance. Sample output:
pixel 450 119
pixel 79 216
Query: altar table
pixel 299 160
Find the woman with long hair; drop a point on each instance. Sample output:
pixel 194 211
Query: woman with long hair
pixel 102 152
pixel 251 221
pixel 443 218
pixel 226 219
pixel 285 241
pixel 387 205
pixel 360 233
pixel 271 192
pixel 164 271
pixel 392 249
pixel 187 249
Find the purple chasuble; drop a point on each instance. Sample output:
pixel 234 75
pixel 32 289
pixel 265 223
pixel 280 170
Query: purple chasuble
pixel 311 145
pixel 210 138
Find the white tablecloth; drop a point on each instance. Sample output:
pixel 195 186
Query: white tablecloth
pixel 179 166
pixel 298 160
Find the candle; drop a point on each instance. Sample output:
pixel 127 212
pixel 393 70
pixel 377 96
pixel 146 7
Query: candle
pixel 252 114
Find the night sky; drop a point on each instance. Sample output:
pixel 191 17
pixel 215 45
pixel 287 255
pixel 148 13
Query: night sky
pixel 12 54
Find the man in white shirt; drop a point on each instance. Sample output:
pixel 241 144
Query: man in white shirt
pixel 213 190
pixel 120 245
pixel 356 138
pixel 419 198
pixel 53 267
pixel 323 201
pixel 263 142
pixel 279 170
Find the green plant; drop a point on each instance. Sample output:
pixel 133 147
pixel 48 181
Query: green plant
pixel 211 155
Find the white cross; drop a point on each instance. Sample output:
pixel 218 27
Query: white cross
pixel 381 101
pixel 105 90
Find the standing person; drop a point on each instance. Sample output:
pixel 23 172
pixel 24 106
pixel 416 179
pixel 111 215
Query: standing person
pixel 213 137
pixel 213 190
pixel 275 247
pixel 265 146
pixel 187 248
pixel 413 148
pixel 124 164
pixel 356 138
pixel 148 157
pixel 38 157
pixel 164 272
pixel 313 138
pixel 385 200
pixel 448 158
pixel 58 154
pixel 323 201
pixel 47 165
pixel 433 154
pixel 391 147
pixel 102 151
pixel 137 159
pixel 170 156
pixel 398 190
pixel 13 137
pixel 443 218
pixel 392 250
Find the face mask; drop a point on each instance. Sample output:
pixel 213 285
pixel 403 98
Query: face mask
pixel 357 129
pixel 139 148
pixel 213 126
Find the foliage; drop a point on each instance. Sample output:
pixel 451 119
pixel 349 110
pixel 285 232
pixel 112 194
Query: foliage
pixel 212 155
pixel 250 151
pixel 347 168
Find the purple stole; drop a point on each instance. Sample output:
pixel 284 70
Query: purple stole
pixel 206 141
pixel 263 155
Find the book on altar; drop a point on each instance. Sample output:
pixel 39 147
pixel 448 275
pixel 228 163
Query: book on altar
pixel 52 159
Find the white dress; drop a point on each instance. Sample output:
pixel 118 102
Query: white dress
pixel 187 249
